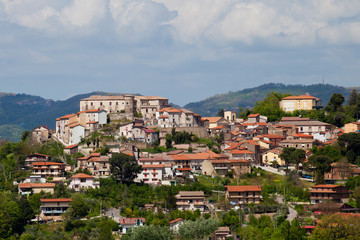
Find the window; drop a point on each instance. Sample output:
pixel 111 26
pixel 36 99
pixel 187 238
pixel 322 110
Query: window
pixel 110 103
pixel 83 180
pixel 91 104
pixel 100 103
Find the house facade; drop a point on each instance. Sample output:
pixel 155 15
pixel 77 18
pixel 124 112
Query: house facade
pixel 30 188
pixel 48 169
pixel 190 200
pixel 83 181
pixel 243 194
pixel 329 193
pixel 52 209
pixel 302 102
pixel 127 223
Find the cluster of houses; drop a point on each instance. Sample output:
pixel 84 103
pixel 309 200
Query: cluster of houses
pixel 253 141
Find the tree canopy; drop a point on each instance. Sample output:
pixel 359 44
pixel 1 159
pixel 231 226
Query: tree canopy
pixel 124 167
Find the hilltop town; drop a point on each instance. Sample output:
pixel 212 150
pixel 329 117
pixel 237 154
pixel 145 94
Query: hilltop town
pixel 135 167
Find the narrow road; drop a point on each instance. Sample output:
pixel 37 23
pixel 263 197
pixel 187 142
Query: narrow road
pixel 292 212
pixel 113 213
pixel 276 171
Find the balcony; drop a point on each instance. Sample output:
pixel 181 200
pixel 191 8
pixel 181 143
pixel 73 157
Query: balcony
pixel 221 168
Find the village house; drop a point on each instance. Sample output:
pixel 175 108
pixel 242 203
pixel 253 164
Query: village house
pixel 137 132
pixel 214 121
pixel 41 134
pixel 175 224
pixel 242 153
pixel 329 193
pixel 172 117
pixel 127 223
pixel 274 139
pixel 302 102
pixel 48 169
pixel 71 149
pixel 36 157
pixel 352 127
pixel 222 167
pixel 154 174
pixel 216 167
pixel 272 156
pixel 243 194
pixel 307 126
pixel 256 118
pixel 190 200
pixel 341 171
pixel 98 165
pixel 303 143
pixel 30 188
pixel 222 233
pixel 83 181
pixel 52 209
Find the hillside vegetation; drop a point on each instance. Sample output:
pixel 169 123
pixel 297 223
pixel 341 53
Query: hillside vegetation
pixel 248 97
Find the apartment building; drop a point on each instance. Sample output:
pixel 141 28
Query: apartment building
pixel 302 102
pixel 48 169
pixel 83 181
pixel 52 209
pixel 190 200
pixel 172 117
pixel 30 188
pixel 243 194
pixel 98 165
pixel 329 193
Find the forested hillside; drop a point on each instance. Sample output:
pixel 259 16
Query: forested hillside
pixel 248 97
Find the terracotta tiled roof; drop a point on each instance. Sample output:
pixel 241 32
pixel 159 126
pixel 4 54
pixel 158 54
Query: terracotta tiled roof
pixel 170 110
pixel 176 220
pixel 250 188
pixel 199 156
pixel 36 185
pixel 67 116
pixel 211 119
pixel 180 157
pixel 131 221
pixel 270 136
pixel 184 169
pixel 56 200
pixel 253 115
pixel 82 175
pixel 241 152
pixel 46 163
pixel 302 135
pixel 92 122
pixel 153 166
pixel 218 127
pixel 163 116
pixel 71 146
pixel 299 97
pixel 93 110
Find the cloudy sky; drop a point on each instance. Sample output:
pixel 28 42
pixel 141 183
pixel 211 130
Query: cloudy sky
pixel 185 50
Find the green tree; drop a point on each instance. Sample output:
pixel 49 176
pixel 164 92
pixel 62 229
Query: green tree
pixel 322 164
pixel 335 103
pixel 351 144
pixel 353 97
pixel 78 208
pixel 270 106
pixel 220 113
pixel 337 227
pixel 10 214
pixel 150 232
pixel 198 229
pixel 124 167
pixel 168 143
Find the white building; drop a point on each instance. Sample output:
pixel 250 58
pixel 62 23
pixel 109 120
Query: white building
pixel 77 132
pixel 83 181
pixel 172 117
pixel 154 174
pixel 190 200
pixel 127 223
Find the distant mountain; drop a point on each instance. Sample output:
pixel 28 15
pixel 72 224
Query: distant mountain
pixel 248 97
pixel 20 112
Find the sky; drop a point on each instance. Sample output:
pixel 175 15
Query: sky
pixel 185 50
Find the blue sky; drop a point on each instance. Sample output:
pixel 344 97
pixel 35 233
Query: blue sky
pixel 185 50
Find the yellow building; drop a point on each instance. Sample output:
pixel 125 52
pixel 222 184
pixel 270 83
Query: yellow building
pixel 272 155
pixel 302 102
pixel 352 127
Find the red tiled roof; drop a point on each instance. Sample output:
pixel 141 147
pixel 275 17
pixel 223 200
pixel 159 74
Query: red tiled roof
pixel 153 166
pixel 163 116
pixel 67 116
pixel 150 130
pixel 71 146
pixel 184 169
pixel 46 163
pixel 302 135
pixel 82 175
pixel 253 115
pixel 211 119
pixel 180 157
pixel 218 127
pixel 241 152
pixel 56 200
pixel 130 220
pixel 170 110
pixel 274 136
pixel 92 122
pixel 299 97
pixel 93 110
pixel 36 185
pixel 244 188
pixel 176 220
